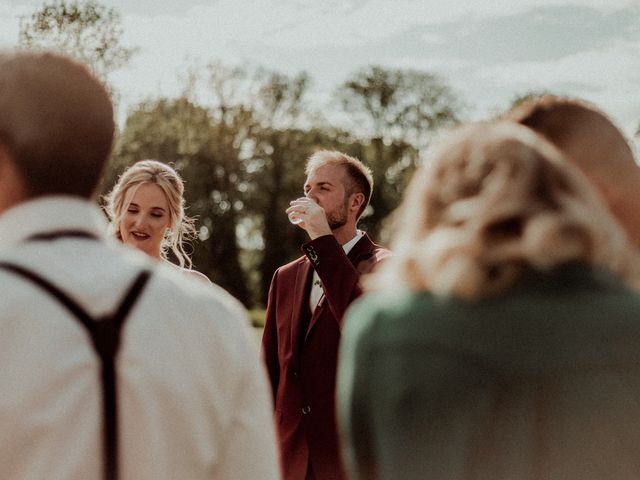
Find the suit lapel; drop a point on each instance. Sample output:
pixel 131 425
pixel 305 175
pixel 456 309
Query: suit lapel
pixel 303 279
pixel 363 247
pixel 322 304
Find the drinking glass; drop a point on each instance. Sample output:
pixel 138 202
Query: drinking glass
pixel 294 218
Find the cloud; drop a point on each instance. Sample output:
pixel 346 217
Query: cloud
pixel 10 22
pixel 304 24
pixel 488 50
pixel 604 68
pixel 608 77
pixel 536 35
pixel 341 25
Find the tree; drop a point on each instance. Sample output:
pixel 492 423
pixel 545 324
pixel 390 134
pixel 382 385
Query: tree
pixel 277 167
pixel 522 98
pixel 396 104
pixel 398 110
pixel 88 31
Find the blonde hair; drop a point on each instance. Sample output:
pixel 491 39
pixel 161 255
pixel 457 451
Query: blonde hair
pixel 494 199
pixel 181 227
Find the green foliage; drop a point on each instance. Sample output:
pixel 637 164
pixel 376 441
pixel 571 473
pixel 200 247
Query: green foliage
pixel 399 104
pixel 256 315
pixel 526 97
pixel 88 31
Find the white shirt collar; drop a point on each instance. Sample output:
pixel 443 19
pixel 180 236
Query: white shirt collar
pixel 350 244
pixel 48 214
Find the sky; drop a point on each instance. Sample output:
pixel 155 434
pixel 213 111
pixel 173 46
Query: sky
pixel 488 51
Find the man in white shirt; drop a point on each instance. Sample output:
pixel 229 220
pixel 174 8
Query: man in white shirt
pixel 179 393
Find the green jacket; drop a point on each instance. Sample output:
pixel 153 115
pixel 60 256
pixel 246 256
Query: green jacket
pixel 540 383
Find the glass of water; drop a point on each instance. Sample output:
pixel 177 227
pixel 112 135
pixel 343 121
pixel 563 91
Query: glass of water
pixel 294 218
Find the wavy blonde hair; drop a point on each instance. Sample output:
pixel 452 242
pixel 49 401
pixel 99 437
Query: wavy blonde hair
pixel 492 200
pixel 181 228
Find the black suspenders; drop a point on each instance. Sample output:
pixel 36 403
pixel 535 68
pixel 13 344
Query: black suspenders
pixel 104 333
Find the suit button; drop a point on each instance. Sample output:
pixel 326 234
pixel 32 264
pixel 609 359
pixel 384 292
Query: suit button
pixel 306 409
pixel 295 374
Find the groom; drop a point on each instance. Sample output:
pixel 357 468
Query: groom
pixel 307 300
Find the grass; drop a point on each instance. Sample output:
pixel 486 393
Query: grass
pixel 257 317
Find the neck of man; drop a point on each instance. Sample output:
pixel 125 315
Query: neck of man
pixel 345 233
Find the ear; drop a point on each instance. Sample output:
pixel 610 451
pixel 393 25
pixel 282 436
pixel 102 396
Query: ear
pixel 356 201
pixel 12 188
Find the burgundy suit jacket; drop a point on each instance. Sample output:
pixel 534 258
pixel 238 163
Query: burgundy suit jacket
pixel 302 364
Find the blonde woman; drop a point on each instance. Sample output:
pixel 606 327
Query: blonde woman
pixel 146 208
pixel 502 339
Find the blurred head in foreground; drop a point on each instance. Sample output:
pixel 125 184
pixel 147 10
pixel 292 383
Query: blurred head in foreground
pixel 591 141
pixel 56 127
pixel 492 200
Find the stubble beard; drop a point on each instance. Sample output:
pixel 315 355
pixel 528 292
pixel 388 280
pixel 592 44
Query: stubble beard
pixel 337 218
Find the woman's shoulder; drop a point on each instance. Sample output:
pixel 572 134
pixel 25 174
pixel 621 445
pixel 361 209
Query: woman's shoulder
pixel 195 274
pixel 189 272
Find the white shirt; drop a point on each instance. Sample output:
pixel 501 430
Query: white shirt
pixel 316 284
pixel 193 398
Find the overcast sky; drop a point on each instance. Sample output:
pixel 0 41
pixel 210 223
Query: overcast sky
pixel 487 50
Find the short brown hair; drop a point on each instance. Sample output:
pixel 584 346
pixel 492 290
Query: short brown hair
pixel 56 121
pixel 361 178
pixel 582 132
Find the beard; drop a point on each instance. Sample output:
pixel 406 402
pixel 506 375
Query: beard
pixel 337 217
